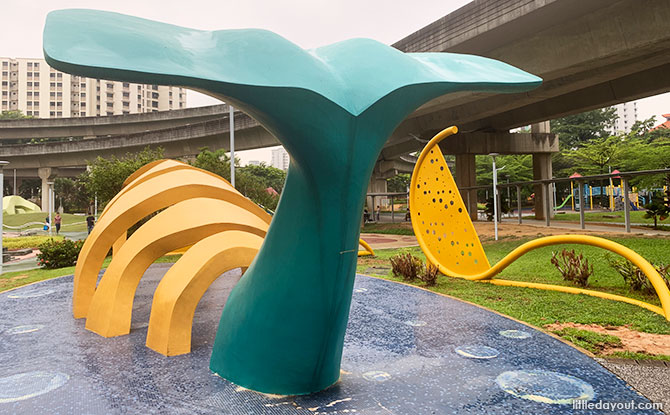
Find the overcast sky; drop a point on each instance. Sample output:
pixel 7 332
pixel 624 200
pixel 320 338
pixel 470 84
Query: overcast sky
pixel 309 23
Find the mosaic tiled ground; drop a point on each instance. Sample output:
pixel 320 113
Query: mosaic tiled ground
pixel 407 351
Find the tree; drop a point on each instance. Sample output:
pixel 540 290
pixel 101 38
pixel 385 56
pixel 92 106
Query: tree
pixel 252 181
pixel 105 176
pixel 398 183
pixel 657 211
pixel 71 194
pixel 577 129
pixel 13 115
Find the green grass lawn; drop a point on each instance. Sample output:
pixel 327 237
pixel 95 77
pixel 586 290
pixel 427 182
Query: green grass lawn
pixel 540 307
pixel 606 217
pixel 399 228
pixel 70 223
pixel 11 280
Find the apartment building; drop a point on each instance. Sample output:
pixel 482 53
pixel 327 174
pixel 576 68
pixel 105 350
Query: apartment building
pixel 32 86
pixel 280 158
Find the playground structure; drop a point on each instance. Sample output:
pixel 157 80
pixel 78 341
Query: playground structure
pixel 283 325
pixel 449 240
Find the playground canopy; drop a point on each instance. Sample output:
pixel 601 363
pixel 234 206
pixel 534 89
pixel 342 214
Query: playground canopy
pixel 16 204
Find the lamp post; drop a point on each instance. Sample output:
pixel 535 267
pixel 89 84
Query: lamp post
pixel 231 117
pixel 2 195
pixel 50 199
pixel 495 195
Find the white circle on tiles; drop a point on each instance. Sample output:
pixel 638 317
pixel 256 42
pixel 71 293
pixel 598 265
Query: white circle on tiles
pixel 29 385
pixel 477 351
pixel 416 323
pixel 32 294
pixel 28 328
pixel 515 334
pixel 376 376
pixel 545 386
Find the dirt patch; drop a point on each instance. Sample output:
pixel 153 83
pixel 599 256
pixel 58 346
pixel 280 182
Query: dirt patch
pixel 631 340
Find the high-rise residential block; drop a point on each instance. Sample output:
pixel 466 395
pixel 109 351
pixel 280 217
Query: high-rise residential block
pixel 36 89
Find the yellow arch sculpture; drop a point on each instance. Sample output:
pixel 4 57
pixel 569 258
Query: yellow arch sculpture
pixel 110 310
pixel 148 196
pixel 448 238
pixel 367 249
pixel 181 288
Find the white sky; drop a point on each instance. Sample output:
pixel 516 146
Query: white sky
pixel 308 23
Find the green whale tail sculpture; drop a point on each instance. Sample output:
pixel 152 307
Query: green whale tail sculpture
pixel 333 108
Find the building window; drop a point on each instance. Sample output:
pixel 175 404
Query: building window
pixel 126 85
pixel 52 84
pixel 126 94
pixel 52 75
pixel 52 94
pixel 37 65
pixel 110 96
pixel 36 113
pixel 83 105
pixel 59 75
pixel 109 113
pixel 36 94
pixel 83 85
pixel 30 84
pixel 59 84
pixel 59 114
pixel 110 85
pixel 29 113
pixel 154 104
pixel 36 103
pixel 30 74
pixel 30 103
pixel 59 95
pixel 154 95
pixel 36 84
pixel 83 114
pixel 29 93
pixel 83 94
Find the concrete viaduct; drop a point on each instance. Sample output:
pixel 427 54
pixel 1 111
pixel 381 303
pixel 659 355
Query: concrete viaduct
pixel 590 54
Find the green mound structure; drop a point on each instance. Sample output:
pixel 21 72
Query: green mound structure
pixel 11 205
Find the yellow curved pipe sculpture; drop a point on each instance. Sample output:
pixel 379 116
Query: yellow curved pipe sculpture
pixel 448 238
pixel 181 288
pixel 147 197
pixel 110 310
pixel 367 248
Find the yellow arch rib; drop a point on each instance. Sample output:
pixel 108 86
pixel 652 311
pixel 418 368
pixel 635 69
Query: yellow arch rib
pixel 185 223
pixel 367 248
pixel 448 238
pixel 181 288
pixel 147 197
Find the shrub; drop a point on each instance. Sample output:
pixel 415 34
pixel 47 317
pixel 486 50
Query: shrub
pixel 635 278
pixel 407 266
pixel 58 254
pixel 573 267
pixel 429 275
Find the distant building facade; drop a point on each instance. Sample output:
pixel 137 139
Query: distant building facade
pixel 280 158
pixel 665 124
pixel 254 163
pixel 627 116
pixel 36 89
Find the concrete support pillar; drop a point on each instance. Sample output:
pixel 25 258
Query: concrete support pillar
pixel 45 175
pixel 377 185
pixel 542 169
pixel 466 176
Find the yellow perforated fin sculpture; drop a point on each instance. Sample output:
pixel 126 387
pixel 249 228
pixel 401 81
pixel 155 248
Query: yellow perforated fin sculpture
pixel 448 239
pixel 439 218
